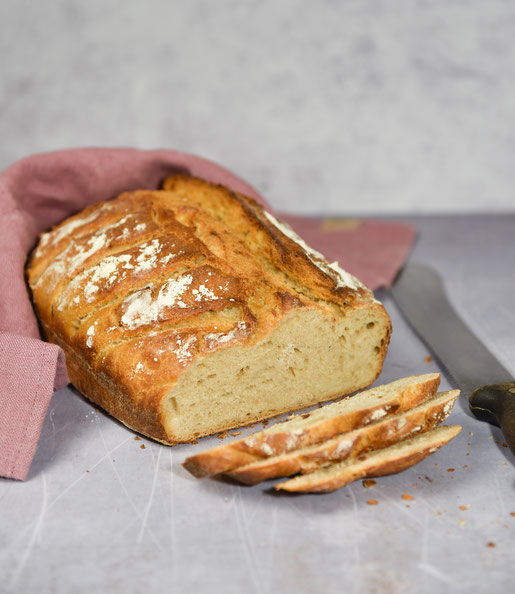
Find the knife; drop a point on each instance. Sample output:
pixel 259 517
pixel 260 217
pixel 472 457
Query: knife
pixel 420 294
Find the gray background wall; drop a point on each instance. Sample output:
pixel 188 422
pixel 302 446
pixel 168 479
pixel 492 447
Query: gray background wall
pixel 324 106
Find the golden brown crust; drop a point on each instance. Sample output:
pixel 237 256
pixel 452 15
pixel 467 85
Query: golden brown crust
pixel 138 288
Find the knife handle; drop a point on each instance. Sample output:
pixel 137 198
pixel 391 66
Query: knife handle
pixel 496 404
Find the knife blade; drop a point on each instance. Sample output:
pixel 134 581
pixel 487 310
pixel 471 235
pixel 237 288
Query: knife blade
pixel 420 294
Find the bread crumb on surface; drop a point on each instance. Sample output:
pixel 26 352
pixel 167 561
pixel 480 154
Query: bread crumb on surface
pixel 372 502
pixel 504 445
pixel 464 507
pixel 491 544
pixel 142 446
pixel 236 433
pixel 450 470
pixel 367 483
pixel 407 497
pixel 136 438
pixel 223 435
pixel 428 359
pixel 462 522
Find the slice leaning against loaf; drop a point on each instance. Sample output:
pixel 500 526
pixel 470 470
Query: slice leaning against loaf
pixel 390 460
pixel 346 446
pixel 316 426
pixel 191 310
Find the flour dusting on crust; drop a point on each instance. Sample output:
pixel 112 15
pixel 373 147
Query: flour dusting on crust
pixel 343 278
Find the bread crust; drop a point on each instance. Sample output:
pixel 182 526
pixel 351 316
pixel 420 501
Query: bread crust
pixel 139 288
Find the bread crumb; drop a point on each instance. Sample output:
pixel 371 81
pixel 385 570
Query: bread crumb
pixel 436 463
pixel 464 507
pixel 415 485
pixel 87 470
pixel 428 359
pixel 504 445
pixel 462 522
pixel 466 466
pixel 265 422
pixel 194 441
pixel 372 502
pixel 407 497
pixel 142 446
pixel 223 435
pixel 491 544
pixel 450 470
pixel 367 483
pixel 136 438
pixel 512 513
pixel 236 433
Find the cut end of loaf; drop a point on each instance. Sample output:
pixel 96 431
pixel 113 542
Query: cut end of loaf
pixel 309 358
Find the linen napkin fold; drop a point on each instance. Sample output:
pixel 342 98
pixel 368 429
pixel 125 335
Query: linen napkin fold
pixel 40 191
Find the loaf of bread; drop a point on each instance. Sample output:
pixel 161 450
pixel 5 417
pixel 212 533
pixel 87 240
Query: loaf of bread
pixel 191 310
pixel 349 445
pixel 389 460
pixel 317 426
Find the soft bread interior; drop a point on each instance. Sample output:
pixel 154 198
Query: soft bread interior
pixel 310 357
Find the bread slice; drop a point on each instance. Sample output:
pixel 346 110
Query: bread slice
pixel 345 446
pixel 191 310
pixel 316 426
pixel 390 460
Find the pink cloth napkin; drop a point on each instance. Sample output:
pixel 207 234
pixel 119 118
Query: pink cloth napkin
pixel 39 191
pixel 373 251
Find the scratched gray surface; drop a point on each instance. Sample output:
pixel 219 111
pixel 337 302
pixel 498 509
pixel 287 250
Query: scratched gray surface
pixel 100 514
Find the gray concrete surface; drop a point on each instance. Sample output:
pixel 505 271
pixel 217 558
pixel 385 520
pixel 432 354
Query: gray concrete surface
pixel 100 514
